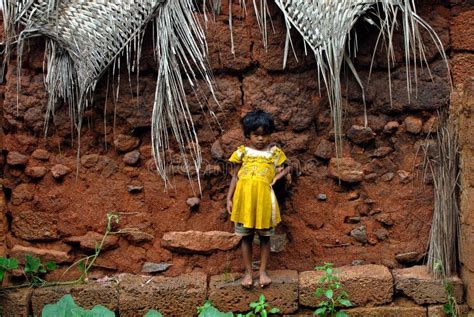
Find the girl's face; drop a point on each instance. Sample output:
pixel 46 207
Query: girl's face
pixel 259 139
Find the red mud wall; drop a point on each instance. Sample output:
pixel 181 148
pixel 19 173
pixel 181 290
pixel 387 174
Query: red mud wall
pixel 384 219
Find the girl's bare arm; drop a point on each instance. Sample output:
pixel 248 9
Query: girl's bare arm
pixel 233 183
pixel 281 174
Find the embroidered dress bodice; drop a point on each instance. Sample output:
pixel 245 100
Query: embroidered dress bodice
pixel 254 202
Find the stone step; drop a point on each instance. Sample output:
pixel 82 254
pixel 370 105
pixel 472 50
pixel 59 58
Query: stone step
pixel 366 285
pixel 290 291
pixel 418 284
pixel 226 292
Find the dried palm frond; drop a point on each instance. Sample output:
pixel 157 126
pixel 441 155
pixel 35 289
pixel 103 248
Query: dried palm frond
pixel 443 249
pixel 85 38
pixel 326 26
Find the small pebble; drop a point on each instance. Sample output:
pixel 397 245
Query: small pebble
pixel 388 176
pixel 193 202
pixel 357 262
pixel 391 127
pixel 134 189
pixel 131 158
pixel 354 219
pixel 322 197
pixel 370 177
pixel 354 195
pixel 59 171
pixel 375 211
pixel 150 267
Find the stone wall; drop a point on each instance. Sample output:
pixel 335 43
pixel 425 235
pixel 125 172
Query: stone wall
pixel 462 105
pixel 374 290
pixel 382 217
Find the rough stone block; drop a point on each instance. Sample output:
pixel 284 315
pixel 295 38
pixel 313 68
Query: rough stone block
pixel 388 311
pixel 345 169
pixel 422 287
pixel 468 280
pixel 437 311
pixel 461 31
pixel 220 50
pixel 85 295
pixel 461 67
pixel 467 236
pixel 200 242
pixel 227 294
pixel 15 303
pixel 365 284
pixel 31 225
pixel 172 296
pixel 467 206
pixel 20 252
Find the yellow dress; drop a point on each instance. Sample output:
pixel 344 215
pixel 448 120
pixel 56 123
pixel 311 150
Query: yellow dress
pixel 254 204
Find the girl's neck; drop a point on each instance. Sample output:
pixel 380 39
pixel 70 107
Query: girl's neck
pixel 267 148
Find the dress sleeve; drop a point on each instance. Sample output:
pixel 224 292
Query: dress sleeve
pixel 237 156
pixel 281 157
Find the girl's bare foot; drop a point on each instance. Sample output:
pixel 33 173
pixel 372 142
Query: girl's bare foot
pixel 247 280
pixel 265 280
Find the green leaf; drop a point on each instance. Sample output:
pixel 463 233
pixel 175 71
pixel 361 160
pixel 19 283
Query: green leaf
pixel 258 308
pixel 211 311
pixel 253 304
pixel 447 308
pixel 274 310
pixel 345 302
pixel 81 266
pixel 66 307
pixel 32 264
pixel 320 311
pixel 153 313
pixel 50 265
pixel 2 274
pixel 341 314
pixel 79 312
pixel 101 311
pixel 262 298
pixel 319 292
pixel 8 264
pixel 329 293
pixel 62 308
pixel 263 313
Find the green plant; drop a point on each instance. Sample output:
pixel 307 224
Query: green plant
pixel 85 264
pixel 207 310
pixel 34 269
pixel 66 307
pixel 260 308
pixel 7 264
pixel 451 308
pixel 330 289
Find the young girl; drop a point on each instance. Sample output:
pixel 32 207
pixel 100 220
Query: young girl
pixel 251 200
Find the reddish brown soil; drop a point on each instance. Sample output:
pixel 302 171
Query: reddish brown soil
pixel 318 231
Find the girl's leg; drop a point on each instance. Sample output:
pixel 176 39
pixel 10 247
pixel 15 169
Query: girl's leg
pixel 264 256
pixel 247 256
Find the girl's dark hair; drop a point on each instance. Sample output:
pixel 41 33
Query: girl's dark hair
pixel 256 119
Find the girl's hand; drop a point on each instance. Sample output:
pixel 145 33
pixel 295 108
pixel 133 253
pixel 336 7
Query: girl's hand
pixel 229 206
